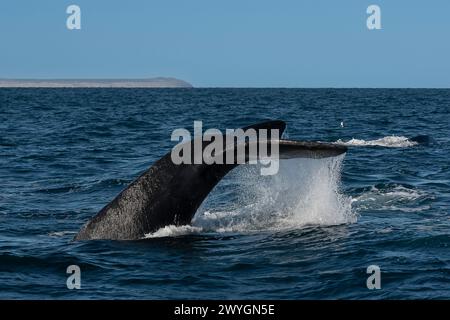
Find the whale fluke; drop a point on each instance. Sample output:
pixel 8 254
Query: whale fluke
pixel 170 194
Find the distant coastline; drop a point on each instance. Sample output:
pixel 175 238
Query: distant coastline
pixel 159 82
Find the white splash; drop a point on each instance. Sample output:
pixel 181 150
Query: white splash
pixel 173 231
pixel 388 141
pixel 304 192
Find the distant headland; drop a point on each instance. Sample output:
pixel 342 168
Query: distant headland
pixel 159 82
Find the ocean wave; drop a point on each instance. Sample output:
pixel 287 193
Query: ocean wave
pixel 61 233
pixel 392 197
pixel 173 231
pixel 388 141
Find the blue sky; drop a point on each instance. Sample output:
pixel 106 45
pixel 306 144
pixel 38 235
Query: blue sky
pixel 231 43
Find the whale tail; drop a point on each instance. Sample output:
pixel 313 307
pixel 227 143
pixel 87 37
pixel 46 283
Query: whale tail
pixel 170 194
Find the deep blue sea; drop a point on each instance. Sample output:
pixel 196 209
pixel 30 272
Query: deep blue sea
pixel 309 232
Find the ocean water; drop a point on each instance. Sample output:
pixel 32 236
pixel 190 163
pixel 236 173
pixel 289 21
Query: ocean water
pixel 309 232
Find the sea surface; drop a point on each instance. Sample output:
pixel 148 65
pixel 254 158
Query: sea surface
pixel 309 232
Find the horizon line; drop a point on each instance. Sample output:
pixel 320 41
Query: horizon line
pixel 10 82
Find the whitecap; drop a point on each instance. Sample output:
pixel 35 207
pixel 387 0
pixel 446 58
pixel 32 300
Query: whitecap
pixel 395 198
pixel 388 141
